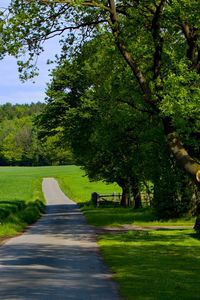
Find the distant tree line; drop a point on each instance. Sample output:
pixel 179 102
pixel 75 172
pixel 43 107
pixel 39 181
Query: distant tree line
pixel 19 142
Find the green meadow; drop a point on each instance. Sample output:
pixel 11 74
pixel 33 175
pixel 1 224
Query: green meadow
pixel 21 198
pixel 148 265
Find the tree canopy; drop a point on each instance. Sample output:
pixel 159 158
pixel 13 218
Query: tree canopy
pixel 90 104
pixel 158 40
pixel 19 142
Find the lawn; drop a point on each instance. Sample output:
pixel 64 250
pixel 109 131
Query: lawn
pixel 154 265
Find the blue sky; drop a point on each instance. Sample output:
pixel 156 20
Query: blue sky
pixel 12 89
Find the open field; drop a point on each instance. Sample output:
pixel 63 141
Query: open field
pixel 21 198
pixel 148 265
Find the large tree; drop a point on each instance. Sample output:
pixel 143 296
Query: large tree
pixel 94 118
pixel 159 40
pixel 90 105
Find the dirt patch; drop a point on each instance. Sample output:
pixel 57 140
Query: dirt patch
pixel 126 228
pixel 3 240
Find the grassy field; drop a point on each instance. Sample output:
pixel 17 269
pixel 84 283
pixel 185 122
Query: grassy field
pixel 21 198
pixel 148 265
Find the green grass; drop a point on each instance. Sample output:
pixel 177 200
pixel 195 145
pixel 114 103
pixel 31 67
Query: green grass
pixel 112 216
pixel 162 265
pixel 79 188
pixel 21 198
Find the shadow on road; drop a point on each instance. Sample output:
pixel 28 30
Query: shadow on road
pixel 56 258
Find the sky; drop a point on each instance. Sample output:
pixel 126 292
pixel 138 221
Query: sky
pixel 12 89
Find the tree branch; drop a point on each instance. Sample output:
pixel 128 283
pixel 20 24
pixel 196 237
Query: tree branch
pixel 115 25
pixel 57 32
pixel 158 40
pixel 74 3
pixel 191 36
pixel 135 107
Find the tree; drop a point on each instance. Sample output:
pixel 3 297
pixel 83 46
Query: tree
pixel 19 143
pixel 110 138
pixel 98 128
pixel 159 40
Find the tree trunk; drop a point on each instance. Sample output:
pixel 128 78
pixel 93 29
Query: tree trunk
pixel 125 196
pixel 181 155
pixel 197 222
pixel 124 184
pixel 136 194
pixel 185 161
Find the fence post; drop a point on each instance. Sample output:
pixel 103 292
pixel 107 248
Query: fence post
pixel 94 198
pixel 114 196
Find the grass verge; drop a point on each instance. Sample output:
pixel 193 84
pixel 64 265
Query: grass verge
pixel 148 265
pixel 21 204
pixel 117 216
pixel 161 265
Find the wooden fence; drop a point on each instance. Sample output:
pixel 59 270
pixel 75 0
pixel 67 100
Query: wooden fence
pixel 115 199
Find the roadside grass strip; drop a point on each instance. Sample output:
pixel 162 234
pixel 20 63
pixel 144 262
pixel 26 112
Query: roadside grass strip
pixel 118 216
pixel 21 204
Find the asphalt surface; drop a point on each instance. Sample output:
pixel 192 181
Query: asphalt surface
pixel 56 258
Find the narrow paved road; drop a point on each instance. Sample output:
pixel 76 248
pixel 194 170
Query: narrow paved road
pixel 57 258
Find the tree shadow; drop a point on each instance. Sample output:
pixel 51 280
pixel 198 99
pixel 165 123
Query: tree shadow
pixel 105 216
pixel 195 235
pixel 53 271
pixel 8 207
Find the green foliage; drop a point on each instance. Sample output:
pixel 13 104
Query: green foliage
pixel 95 114
pixel 111 138
pixel 158 41
pixel 19 142
pixel 150 35
pixel 173 193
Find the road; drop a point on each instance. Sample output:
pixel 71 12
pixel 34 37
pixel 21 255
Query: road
pixel 56 258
